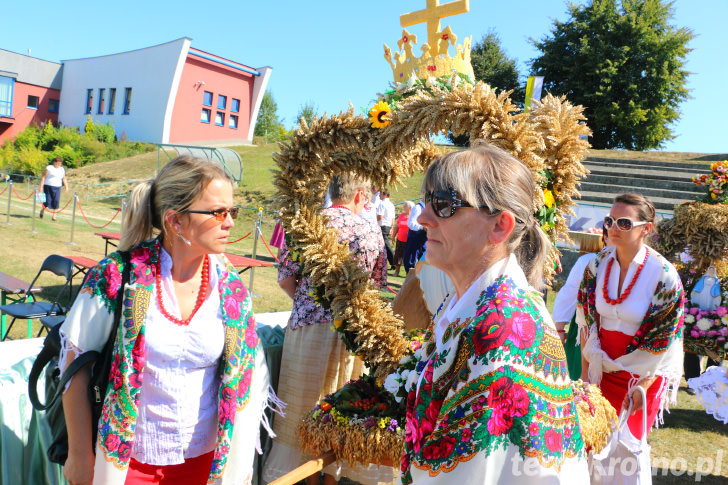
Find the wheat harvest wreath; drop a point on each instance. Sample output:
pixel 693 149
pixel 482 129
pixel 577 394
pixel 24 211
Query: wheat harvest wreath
pixel 360 421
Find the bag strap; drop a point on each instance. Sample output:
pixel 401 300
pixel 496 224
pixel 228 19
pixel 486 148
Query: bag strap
pixel 52 346
pixel 624 416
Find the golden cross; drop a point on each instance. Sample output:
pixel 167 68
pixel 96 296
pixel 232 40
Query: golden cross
pixel 432 15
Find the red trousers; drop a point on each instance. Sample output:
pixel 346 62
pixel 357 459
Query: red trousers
pixel 194 471
pixel 614 384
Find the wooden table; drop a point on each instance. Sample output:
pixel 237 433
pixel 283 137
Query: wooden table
pixel 243 263
pixel 81 265
pixel 110 238
pixel 11 286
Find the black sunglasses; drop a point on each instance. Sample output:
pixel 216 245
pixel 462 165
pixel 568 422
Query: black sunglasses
pixel 623 223
pixel 444 203
pixel 219 214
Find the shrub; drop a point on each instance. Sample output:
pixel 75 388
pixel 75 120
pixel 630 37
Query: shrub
pixel 93 149
pixel 52 137
pixel 89 127
pixel 27 138
pixel 29 160
pixel 72 157
pixel 105 133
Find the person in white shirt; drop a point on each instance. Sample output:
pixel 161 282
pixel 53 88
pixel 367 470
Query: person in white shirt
pixel 565 311
pixel 385 218
pixel 416 238
pixel 54 177
pixel 369 212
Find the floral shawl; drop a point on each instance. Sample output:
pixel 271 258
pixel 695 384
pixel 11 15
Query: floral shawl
pixel 656 349
pixel 87 327
pixel 490 401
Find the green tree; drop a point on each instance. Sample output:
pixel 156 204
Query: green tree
pixel 624 63
pixel 268 124
pixel 491 65
pixel 307 111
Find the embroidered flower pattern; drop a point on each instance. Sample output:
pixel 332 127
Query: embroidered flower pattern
pixel 502 403
pixel 119 411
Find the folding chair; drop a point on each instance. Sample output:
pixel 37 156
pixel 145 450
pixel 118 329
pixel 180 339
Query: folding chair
pixel 58 265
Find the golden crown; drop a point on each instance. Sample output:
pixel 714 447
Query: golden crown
pixel 435 61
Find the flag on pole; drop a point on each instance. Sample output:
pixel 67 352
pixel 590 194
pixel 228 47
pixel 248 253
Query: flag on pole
pixel 534 86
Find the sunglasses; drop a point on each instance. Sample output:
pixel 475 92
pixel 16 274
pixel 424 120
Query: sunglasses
pixel 623 223
pixel 444 203
pixel 219 214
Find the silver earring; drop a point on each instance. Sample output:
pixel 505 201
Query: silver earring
pixel 184 239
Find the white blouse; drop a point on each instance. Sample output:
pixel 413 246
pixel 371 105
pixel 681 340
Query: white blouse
pixel 626 317
pixel 565 301
pixel 178 403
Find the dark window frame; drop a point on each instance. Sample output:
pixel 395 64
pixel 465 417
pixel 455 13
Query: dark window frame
pixel 112 100
pixel 127 101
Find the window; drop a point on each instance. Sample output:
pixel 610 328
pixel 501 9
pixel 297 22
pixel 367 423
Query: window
pixel 33 102
pixel 89 100
pixel 53 106
pixel 221 101
pixel 205 118
pixel 6 96
pixel 207 98
pixel 234 105
pixel 127 100
pixel 102 98
pixel 233 122
pixel 112 100
pixel 220 119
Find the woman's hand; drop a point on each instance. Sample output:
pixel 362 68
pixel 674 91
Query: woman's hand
pixel 561 330
pixel 79 468
pixel 636 400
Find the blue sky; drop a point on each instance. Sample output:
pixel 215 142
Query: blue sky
pixel 330 52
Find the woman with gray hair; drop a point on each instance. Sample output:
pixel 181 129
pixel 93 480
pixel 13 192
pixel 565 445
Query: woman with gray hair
pixel 490 400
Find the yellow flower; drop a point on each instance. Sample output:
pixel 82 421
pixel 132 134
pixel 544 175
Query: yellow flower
pixel 338 323
pixel 545 227
pixel 379 115
pixel 548 197
pixel 713 196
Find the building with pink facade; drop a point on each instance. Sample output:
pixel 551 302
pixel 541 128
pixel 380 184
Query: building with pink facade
pixel 168 93
pixel 29 92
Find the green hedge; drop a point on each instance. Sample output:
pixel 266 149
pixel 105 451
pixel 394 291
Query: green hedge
pixel 36 147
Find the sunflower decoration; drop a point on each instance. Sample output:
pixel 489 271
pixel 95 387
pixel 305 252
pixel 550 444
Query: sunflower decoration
pixel 547 214
pixel 379 114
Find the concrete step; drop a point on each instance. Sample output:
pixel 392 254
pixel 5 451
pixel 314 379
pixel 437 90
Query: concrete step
pixel 693 167
pixel 664 173
pixel 627 180
pixel 601 197
pixel 676 195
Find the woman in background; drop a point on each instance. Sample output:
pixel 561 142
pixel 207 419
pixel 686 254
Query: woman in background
pixel 630 313
pixel 399 235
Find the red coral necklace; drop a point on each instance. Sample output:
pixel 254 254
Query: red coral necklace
pixel 201 294
pixel 628 290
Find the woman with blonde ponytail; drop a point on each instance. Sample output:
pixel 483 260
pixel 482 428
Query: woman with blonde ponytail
pixel 492 373
pixel 188 381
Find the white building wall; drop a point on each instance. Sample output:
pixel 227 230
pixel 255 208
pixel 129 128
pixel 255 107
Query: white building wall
pixel 152 73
